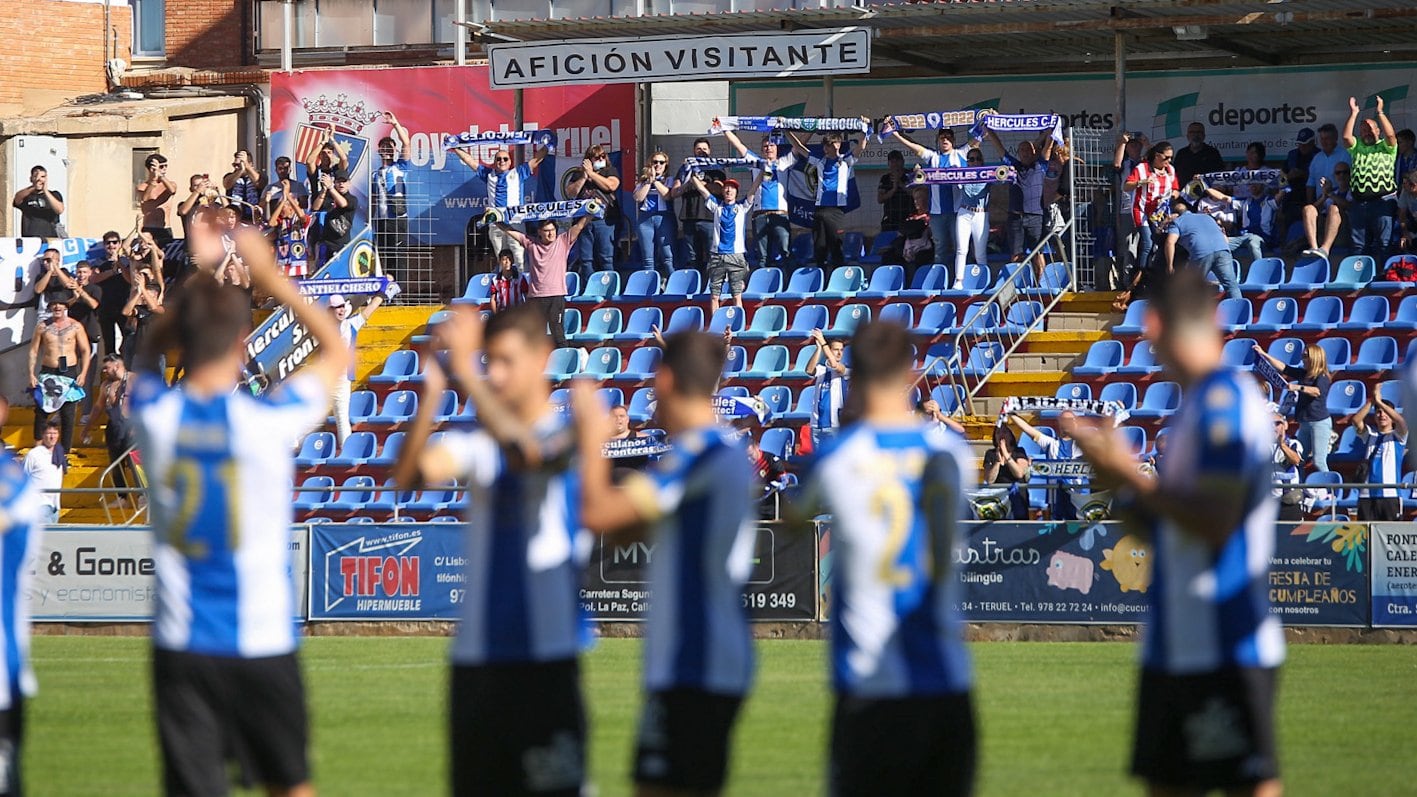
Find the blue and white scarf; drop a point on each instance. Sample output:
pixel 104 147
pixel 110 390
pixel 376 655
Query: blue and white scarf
pixel 634 447
pixel 812 124
pixel 1106 409
pixel 1269 178
pixel 1009 123
pixel 542 211
pixel 963 175
pixel 731 407
pixel 540 138
pixel 930 120
pixel 698 163
pixel 329 287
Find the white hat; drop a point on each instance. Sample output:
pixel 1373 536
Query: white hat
pixel 337 300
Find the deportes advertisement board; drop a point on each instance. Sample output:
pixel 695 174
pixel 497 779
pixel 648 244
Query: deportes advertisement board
pixel 1395 574
pixel 782 585
pixel 393 571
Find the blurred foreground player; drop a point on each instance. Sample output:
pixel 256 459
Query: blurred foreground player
pixel 700 500
pixel 1212 648
pixel 20 529
pixel 895 486
pixel 226 680
pixel 517 721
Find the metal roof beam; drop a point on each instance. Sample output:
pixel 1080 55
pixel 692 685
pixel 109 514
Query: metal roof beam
pixel 915 59
pixel 1244 50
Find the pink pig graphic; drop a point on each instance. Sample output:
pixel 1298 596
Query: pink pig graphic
pixel 1070 571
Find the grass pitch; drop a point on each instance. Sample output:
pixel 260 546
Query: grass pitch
pixel 1055 718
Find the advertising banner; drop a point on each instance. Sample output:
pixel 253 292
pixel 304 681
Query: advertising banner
pixel 435 103
pixel 782 586
pixel 1394 574
pixel 1319 574
pixel 105 574
pixel 395 571
pixel 722 56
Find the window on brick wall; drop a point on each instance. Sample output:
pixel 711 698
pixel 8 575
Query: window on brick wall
pixel 149 36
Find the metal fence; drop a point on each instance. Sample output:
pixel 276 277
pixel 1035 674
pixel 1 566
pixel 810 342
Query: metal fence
pixel 1091 175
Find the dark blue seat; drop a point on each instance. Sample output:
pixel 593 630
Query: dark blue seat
pixel 389 453
pixel 400 366
pixel 319 491
pixel 805 283
pixel 1264 274
pixel 1161 400
pixel 357 450
pixel 1239 353
pixel 1234 315
pixel 807 318
pixel 1289 351
pixel 399 407
pixel 729 317
pixel 1368 313
pixel 1142 360
pixel 777 441
pixel 1375 354
pixel 1124 393
pixel 927 282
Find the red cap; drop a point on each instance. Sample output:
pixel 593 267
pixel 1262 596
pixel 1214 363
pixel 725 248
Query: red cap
pixel 730 181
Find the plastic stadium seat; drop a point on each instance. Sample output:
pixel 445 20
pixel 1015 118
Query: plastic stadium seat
pixel 949 397
pixel 1411 355
pixel 898 313
pixel 879 245
pixel 1020 317
pixel 805 283
pixel 848 318
pixel 777 397
pixel 1056 278
pixel 315 449
pixel 433 500
pixel 357 519
pixel 682 284
pixel 1161 400
pixel 1234 315
pixel 1023 281
pixel 1135 437
pixel 1289 351
pixel 1321 314
pixel 358 449
pixel 641 402
pixel 600 325
pixel 735 361
pixel 1310 274
pixel 573 283
pixel 640 325
pixel 803 411
pixel 564 363
pixel 936 318
pixel 769 320
pixel 1264 274
pixel 1069 390
pixel 1369 313
pixel 1375 355
pixel 763 283
pixel 1406 318
pixel 769 363
pixel 1142 360
pixel 735 391
pixel 1346 396
pixel 1338 351
pixel 362 404
pixel 1392 393
pixel 799 367
pixel 310 500
pixel 447 407
pixel 979 318
pixel 1239 353
pixel 1353 272
pixel 1133 320
pixel 353 494
pixel 777 441
pixel 886 282
pixel 802 249
pixel 1103 357
pixel 926 282
pixel 641 284
pixel 602 285
pixel 685 319
pixel 729 317
pixel 571 321
pixel 974 283
pixel 478 290
pixel 642 363
pixel 1382 284
pixel 983 358
pixel 602 363
pixel 1348 449
pixel 611 396
pixel 853 247
pixel 1033 450
pixel 941 358
pixel 400 366
pixel 1124 393
pixel 399 407
pixel 388 498
pixel 433 320
pixel 1276 315
pixel 807 318
pixel 389 453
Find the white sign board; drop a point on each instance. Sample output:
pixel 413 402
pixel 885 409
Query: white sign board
pixel 770 54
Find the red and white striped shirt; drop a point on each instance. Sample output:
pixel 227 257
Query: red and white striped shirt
pixel 509 292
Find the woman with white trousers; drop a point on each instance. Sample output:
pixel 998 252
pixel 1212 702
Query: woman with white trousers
pixel 971 221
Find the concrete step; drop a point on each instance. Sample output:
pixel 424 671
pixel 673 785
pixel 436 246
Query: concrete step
pixel 1031 361
pixel 1090 302
pixel 1074 341
pixel 1081 321
pixel 1034 383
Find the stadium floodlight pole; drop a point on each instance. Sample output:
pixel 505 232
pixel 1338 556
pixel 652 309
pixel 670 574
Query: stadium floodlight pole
pixel 459 20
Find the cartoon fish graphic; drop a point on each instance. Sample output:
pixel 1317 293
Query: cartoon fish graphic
pixel 1130 563
pixel 1070 571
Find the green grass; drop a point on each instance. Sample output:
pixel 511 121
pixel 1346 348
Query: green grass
pixel 1055 718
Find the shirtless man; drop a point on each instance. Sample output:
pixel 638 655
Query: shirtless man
pixel 112 404
pixel 155 193
pixel 55 348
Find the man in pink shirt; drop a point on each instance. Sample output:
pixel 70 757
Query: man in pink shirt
pixel 546 256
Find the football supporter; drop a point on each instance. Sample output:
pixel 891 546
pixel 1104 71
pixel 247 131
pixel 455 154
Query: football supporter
pixel 695 220
pixel 506 186
pixel 1322 179
pixel 942 197
pixel 1197 157
pixel 727 263
pixel 510 285
pixel 1374 163
pixel 547 255
pixel 1026 208
pixel 1382 431
pixel 772 228
pixel 655 229
pixel 829 376
pixel 836 168
pixel 350 322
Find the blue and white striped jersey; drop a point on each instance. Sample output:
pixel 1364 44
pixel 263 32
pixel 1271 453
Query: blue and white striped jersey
pixel 221 469
pixel 896 496
pixel 389 189
pixel 524 551
pixel 772 192
pixel 1386 454
pixel 505 189
pixel 697 634
pixel 20 530
pixel 730 227
pixel 833 179
pixel 942 197
pixel 654 202
pixel 1209 607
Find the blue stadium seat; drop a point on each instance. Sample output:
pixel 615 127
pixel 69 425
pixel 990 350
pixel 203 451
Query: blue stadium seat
pixel 1124 393
pixel 1384 284
pixel 447 408
pixel 433 500
pixel 362 404
pixel 389 452
pixel 928 281
pixel 848 318
pixel 1021 317
pixel 1411 355
pixel 735 361
pixel 1264 274
pixel 389 497
pixel 763 283
pixel 1353 272
pixel 1368 313
pixel 1348 448
pixel 353 494
pixel 685 319
pixel 600 286
pixel 898 313
pixel 1392 393
pixel 735 391
pixel 769 363
pixel 1289 351
pixel 357 450
pixel 641 401
pixel 1277 315
pixel 641 324
pixel 602 363
pixel 1135 436
pixel 808 318
pixel 979 318
pixel 799 367
pixel 1234 315
pixel 311 500
pixel 357 519
pixel 1346 396
pixel 803 411
pixel 729 317
pixel 1375 355
pixel 564 363
pixel 1406 318
pixel 949 397
pixel 853 247
pixel 984 357
pixel 641 284
pixel 1239 353
pixel 315 449
pixel 940 359
pixel 1161 400
pixel 886 282
pixel 1103 357
pixel 571 321
pixel 1310 274
pixel 1133 320
pixel 438 317
pixel 573 283
pixel 400 366
pixel 777 397
pixel 936 318
pixel 777 441
pixel 1321 314
pixel 805 283
pixel 611 396
pixel 1023 281
pixel 1142 360
pixel 769 320
pixel 1056 278
pixel 682 284
pixel 478 290
pixel 399 407
pixel 642 363
pixel 1069 390
pixel 975 282
pixel 1338 351
pixel 600 325
pixel 879 245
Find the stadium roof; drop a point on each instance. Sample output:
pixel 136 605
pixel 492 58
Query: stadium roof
pixel 980 37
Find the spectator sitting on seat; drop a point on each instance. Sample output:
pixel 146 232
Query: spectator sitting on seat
pixel 1254 155
pixel 1205 244
pixel 1331 199
pixel 243 184
pixel 155 193
pixel 1321 176
pixel 510 286
pixel 727 262
pixel 620 424
pixel 894 193
pixel 1288 453
pixel 829 376
pixel 1007 463
pixel 349 325
pixel 1373 162
pixel 1383 433
pixel 40 206
pixel 1197 157
pixel 45 465
pixel 1407 213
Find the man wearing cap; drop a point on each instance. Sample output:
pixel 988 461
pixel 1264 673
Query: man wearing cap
pixel 349 326
pixel 1296 168
pixel 155 194
pixel 339 204
pixel 726 261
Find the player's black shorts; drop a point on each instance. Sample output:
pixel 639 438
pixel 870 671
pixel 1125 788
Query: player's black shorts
pixel 517 729
pixel 903 746
pixel 1206 731
pixel 12 735
pixel 215 709
pixel 684 736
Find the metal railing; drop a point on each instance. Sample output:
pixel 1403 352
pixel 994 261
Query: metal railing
pixel 134 494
